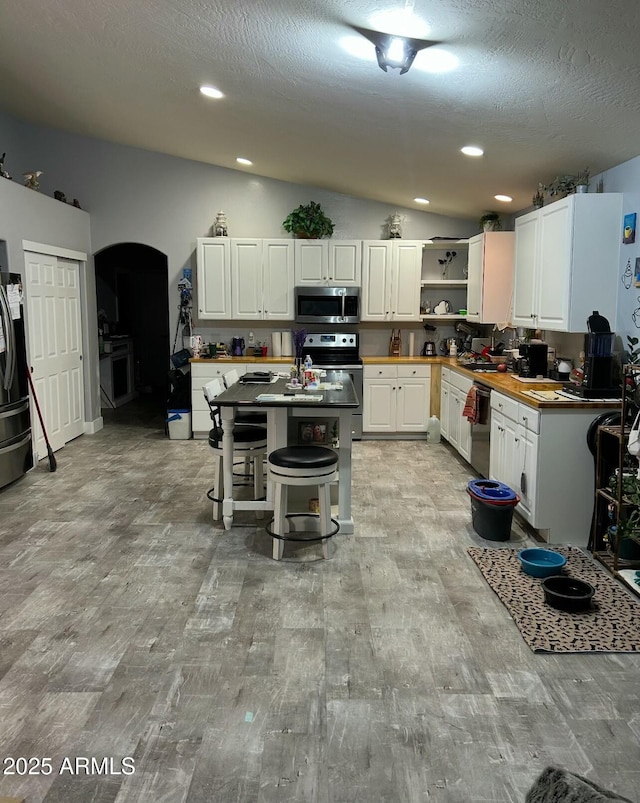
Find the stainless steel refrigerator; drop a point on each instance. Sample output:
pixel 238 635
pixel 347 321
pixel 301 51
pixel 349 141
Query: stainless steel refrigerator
pixel 16 453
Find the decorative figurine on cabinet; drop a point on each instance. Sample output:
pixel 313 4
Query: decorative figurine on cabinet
pixel 31 180
pixel 3 172
pixel 60 196
pixel 220 228
pixel 395 226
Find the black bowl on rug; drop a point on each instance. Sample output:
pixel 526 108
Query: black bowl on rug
pixel 567 593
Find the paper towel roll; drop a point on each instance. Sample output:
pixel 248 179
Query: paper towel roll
pixel 287 344
pixel 412 344
pixel 276 344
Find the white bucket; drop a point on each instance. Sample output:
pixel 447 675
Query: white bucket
pixel 179 424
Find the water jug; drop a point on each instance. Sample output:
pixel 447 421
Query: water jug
pixel 433 429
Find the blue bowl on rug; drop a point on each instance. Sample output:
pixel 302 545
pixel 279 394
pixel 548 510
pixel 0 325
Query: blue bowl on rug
pixel 541 562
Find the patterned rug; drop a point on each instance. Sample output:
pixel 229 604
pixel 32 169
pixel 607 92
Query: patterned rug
pixel 611 625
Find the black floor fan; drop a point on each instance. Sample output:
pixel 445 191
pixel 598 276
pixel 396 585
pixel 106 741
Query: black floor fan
pixel 53 464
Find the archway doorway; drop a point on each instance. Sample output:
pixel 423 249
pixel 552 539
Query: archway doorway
pixel 132 288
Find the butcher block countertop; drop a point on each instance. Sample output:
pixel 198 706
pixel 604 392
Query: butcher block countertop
pixel 505 383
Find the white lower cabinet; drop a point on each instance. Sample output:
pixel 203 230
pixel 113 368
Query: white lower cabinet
pixel 454 427
pixel 396 398
pixel 514 450
pixel 544 457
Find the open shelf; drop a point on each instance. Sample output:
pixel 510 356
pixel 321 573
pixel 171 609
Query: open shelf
pixel 443 283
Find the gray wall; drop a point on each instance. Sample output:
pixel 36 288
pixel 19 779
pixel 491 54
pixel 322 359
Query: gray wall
pixel 29 215
pixel 140 196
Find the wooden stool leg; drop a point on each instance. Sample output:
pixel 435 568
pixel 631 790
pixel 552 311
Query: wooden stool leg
pixel 279 511
pixel 217 488
pixel 324 493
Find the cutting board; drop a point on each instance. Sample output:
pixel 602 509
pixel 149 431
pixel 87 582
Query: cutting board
pixel 536 380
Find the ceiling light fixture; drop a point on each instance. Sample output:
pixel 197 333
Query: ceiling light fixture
pixel 504 198
pixel 472 150
pixel 241 160
pixel 421 200
pixel 211 92
pixel 393 51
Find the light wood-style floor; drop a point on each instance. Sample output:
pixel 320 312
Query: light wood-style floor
pixel 131 626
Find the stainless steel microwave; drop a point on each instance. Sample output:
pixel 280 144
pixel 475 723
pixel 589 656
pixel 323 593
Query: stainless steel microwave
pixel 327 304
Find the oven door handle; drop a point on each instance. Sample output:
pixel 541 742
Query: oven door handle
pixel 343 293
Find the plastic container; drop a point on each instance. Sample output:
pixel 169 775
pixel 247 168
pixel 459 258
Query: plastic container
pixel 541 562
pixel 492 491
pixel 491 522
pixel 492 505
pixel 433 429
pixel 179 425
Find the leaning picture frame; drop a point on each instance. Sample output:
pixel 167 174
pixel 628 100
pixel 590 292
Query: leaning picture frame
pixel 313 433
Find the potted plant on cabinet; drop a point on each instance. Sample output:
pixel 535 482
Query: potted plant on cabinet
pixel 309 222
pixel 582 181
pixel 490 221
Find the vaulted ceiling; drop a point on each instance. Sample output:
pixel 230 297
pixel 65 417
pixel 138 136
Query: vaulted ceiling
pixel 543 86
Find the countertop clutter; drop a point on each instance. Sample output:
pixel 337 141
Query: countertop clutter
pixel 504 382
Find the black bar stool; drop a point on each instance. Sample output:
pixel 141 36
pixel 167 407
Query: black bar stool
pixel 302 466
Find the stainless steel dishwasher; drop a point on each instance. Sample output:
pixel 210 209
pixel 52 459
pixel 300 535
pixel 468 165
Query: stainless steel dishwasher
pixel 481 430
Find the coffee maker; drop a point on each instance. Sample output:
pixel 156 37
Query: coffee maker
pixel 237 346
pixel 597 377
pixel 532 360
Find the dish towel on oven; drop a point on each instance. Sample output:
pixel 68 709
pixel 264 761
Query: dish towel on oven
pixel 472 406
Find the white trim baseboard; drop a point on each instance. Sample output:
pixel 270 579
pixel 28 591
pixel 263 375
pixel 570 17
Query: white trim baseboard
pixel 92 427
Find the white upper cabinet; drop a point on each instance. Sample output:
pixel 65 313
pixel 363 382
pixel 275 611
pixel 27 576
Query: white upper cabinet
pixel 336 263
pixel 213 276
pixel 490 281
pixel 391 280
pixel 261 279
pixel 345 263
pixel 567 261
pixel 311 262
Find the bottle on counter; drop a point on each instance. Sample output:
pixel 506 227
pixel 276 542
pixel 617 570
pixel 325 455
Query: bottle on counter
pixel 308 363
pixel 453 348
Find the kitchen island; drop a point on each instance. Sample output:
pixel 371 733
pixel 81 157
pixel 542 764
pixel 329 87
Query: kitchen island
pixel 335 398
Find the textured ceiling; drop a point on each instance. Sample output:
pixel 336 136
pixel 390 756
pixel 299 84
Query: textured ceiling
pixel 545 86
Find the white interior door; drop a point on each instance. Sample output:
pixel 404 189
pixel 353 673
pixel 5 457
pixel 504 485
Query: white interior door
pixel 52 297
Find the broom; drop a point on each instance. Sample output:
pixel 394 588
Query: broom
pixel 53 465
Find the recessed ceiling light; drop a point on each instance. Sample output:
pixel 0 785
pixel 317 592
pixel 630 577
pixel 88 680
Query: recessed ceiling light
pixel 211 92
pixel 472 150
pixel 505 198
pixel 421 200
pixel 241 160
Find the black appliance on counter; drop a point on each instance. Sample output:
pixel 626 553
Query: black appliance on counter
pixel 532 361
pixel 16 454
pixel 339 351
pixel 597 380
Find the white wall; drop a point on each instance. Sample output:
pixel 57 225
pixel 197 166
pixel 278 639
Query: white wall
pixel 625 178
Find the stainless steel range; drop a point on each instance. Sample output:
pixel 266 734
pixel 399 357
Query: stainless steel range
pixel 339 351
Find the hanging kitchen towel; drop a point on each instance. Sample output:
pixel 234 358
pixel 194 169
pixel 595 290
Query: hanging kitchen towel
pixel 472 406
